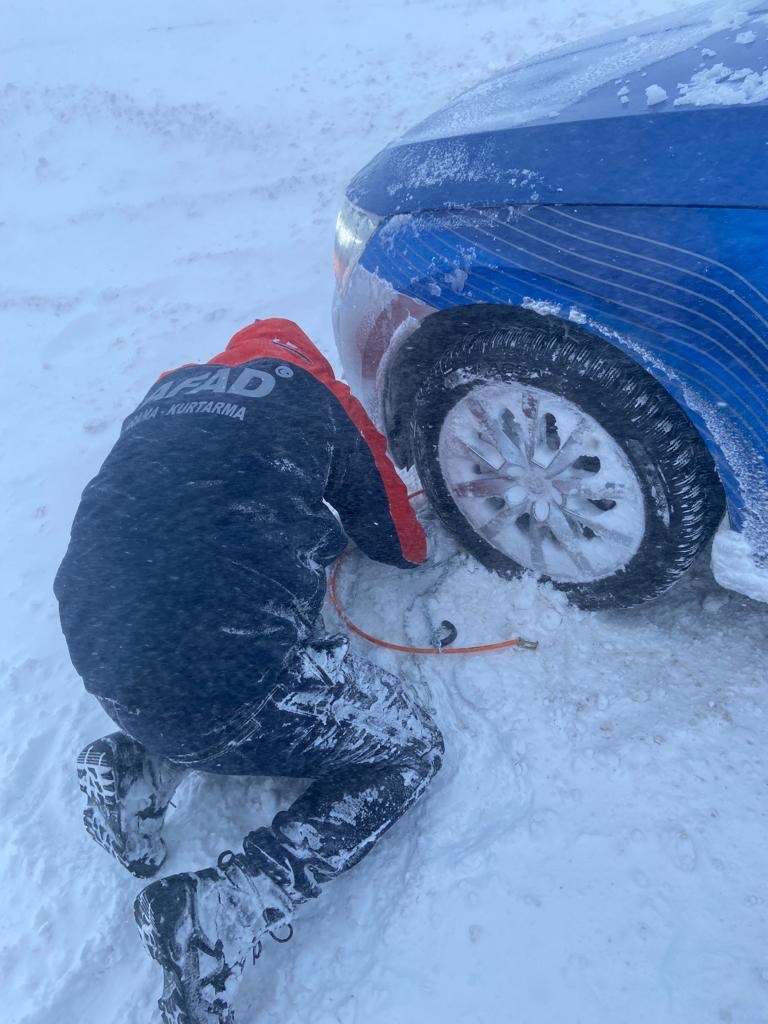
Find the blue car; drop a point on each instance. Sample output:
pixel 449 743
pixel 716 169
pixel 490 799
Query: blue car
pixel 552 295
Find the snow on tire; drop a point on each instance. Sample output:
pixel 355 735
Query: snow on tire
pixel 546 449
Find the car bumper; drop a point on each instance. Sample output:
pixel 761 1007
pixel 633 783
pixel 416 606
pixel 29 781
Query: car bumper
pixel 370 321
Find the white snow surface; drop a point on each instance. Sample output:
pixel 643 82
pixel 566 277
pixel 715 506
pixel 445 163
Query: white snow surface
pixel 593 850
pixel 720 85
pixel 655 94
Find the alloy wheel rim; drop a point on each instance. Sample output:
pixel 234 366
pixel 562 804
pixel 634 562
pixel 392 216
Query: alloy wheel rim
pixel 542 482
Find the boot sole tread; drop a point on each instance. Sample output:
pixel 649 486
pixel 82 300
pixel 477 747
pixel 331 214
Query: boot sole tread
pixel 181 1001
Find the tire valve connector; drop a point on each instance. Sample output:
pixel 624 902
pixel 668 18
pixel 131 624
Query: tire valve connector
pixel 444 635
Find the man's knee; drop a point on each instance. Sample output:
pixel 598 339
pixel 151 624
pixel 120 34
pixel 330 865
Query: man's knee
pixel 438 746
pixel 420 737
pixel 430 748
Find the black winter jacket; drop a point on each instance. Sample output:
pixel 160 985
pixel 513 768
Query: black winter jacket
pixel 198 553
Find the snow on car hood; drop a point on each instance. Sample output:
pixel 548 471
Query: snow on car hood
pixel 710 54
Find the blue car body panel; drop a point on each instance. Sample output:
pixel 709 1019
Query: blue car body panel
pixel 642 215
pixel 682 290
pixel 710 157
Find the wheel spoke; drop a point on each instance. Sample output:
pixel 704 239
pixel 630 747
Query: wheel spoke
pixel 569 539
pixel 531 413
pixel 497 523
pixel 493 430
pixel 570 450
pixel 536 534
pixel 490 456
pixel 513 430
pixel 484 487
pixel 604 532
pixel 480 413
pixel 577 487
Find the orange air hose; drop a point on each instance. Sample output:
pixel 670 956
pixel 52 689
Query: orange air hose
pixel 333 593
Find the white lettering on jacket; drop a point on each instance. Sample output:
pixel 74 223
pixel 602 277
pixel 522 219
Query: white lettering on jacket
pixel 247 383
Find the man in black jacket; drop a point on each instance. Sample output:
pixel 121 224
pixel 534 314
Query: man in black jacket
pixel 190 597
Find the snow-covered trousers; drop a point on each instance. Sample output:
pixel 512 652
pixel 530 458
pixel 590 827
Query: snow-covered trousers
pixel 369 746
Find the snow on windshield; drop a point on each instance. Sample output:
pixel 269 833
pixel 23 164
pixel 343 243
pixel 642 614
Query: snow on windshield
pixel 722 86
pixel 542 89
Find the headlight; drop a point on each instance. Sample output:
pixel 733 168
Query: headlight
pixel 354 228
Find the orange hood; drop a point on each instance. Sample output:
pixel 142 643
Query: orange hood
pixel 276 339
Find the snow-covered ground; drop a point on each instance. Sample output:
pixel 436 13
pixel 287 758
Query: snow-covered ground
pixel 594 849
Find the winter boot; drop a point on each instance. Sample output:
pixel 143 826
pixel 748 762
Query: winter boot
pixel 128 792
pixel 202 927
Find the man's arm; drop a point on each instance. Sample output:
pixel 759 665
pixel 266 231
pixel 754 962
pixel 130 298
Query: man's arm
pixel 364 488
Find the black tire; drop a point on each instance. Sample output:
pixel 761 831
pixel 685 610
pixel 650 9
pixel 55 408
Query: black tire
pixel 682 493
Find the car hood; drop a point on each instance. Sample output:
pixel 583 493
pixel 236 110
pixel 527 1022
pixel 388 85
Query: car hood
pixel 670 84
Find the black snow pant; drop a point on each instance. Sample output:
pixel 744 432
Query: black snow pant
pixel 369 746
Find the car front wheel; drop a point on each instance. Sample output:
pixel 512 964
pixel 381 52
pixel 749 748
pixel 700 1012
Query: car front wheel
pixel 551 451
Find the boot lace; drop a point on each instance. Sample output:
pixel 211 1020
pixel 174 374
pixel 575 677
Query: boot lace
pixel 224 861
